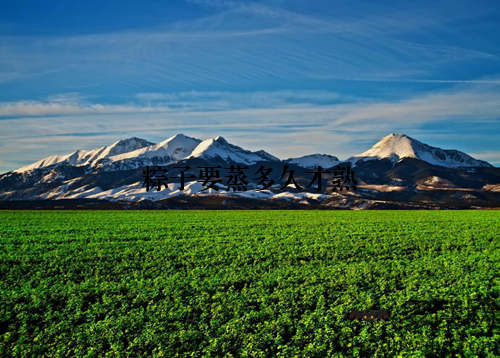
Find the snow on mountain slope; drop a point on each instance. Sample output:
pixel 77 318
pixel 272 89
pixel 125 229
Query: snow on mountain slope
pixel 136 192
pixel 87 157
pixel 170 150
pixel 81 193
pixel 177 147
pixel 314 161
pixel 396 146
pixel 220 148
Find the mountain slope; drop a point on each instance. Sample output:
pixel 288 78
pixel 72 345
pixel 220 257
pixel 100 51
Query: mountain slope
pixel 170 150
pixel 219 148
pixel 177 147
pixel 314 160
pixel 88 157
pixel 396 146
pixel 398 171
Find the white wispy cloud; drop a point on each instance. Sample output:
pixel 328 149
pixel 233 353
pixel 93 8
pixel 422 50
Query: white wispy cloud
pixel 246 43
pixel 77 104
pixel 241 99
pixel 264 10
pixel 465 101
pixel 56 108
pixel 286 129
pixel 14 75
pixel 249 45
pixel 472 102
pixel 492 157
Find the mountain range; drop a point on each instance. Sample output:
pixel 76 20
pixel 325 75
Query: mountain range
pixel 397 172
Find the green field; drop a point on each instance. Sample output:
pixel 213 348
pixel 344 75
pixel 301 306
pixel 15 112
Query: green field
pixel 249 283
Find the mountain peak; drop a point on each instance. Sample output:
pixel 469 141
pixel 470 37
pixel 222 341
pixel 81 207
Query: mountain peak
pixel 179 136
pixel 179 139
pixel 169 150
pixel 125 146
pixel 396 146
pixel 130 139
pixel 88 157
pixel 314 160
pixel 218 147
pixel 219 139
pixel 397 135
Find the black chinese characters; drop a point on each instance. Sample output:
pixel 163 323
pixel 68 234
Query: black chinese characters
pixel 239 178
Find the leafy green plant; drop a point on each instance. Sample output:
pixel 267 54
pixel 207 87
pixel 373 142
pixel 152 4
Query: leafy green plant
pixel 249 283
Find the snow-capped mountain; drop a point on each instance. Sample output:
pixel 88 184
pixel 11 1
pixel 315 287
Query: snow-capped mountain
pixel 314 160
pixel 88 157
pixel 170 150
pixel 219 148
pixel 396 146
pixel 395 171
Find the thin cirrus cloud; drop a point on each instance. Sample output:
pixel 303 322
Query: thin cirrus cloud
pixel 242 99
pixel 77 104
pixel 339 128
pixel 491 156
pixel 475 101
pixel 470 100
pixel 246 43
pixel 38 109
pixel 266 74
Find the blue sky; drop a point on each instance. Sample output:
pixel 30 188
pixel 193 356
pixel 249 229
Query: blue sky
pixel 292 77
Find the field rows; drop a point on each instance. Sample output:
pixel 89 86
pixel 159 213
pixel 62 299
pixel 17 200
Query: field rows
pixel 249 283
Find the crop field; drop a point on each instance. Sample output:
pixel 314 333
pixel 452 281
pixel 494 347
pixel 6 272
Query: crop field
pixel 249 283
